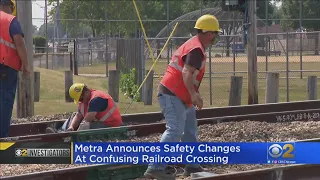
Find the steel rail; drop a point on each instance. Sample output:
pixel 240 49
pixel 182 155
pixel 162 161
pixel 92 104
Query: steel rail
pixel 151 128
pixel 152 117
pixel 293 172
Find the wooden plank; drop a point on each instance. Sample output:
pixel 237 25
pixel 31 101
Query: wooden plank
pixel 25 88
pixel 148 89
pixel 252 54
pixel 36 86
pixel 312 88
pixel 272 84
pixel 113 84
pixel 68 81
pixel 235 91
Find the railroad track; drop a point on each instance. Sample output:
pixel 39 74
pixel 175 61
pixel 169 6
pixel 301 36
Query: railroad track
pixel 146 129
pixel 267 112
pixel 271 113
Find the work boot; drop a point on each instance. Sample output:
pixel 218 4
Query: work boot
pixel 159 174
pixel 49 130
pixel 189 169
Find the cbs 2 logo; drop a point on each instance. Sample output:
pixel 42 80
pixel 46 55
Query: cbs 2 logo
pixel 276 150
pixel 24 152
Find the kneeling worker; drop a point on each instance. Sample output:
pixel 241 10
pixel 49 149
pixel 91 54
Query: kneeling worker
pixel 96 109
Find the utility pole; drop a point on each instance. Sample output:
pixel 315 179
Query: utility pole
pixel 46 25
pixel 75 51
pixel 252 53
pixel 25 89
pixel 58 22
pixel 106 36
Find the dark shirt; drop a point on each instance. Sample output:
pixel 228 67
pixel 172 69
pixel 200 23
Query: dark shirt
pixel 15 28
pixel 97 104
pixel 194 59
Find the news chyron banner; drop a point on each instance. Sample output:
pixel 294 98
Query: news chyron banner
pixel 132 153
pixel 196 153
pixel 35 153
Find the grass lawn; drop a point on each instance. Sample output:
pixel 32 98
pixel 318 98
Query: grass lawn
pixel 52 94
pixel 226 64
pixel 221 80
pixel 52 85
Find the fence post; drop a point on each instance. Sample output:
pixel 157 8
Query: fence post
pixel 71 64
pixel 113 84
pixel 75 59
pixel 68 81
pixel 272 86
pixel 312 87
pixel 235 91
pixel 148 89
pixel 210 74
pixel 36 86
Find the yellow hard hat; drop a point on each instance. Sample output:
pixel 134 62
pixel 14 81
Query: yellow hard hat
pixel 207 22
pixel 11 3
pixel 14 12
pixel 75 91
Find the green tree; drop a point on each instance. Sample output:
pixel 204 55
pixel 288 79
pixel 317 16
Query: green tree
pixel 290 9
pixel 262 8
pixel 40 43
pixel 42 30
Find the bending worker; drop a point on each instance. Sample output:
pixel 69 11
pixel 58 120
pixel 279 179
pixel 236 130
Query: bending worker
pixel 96 109
pixel 13 58
pixel 178 94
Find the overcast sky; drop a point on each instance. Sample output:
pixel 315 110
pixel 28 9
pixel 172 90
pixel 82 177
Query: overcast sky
pixel 38 12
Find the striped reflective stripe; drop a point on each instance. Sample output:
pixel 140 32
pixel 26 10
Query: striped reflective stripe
pixel 6 43
pixel 176 65
pixel 195 74
pixel 106 116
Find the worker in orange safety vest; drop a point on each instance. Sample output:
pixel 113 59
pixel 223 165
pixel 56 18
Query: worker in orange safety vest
pixel 13 58
pixel 96 109
pixel 178 92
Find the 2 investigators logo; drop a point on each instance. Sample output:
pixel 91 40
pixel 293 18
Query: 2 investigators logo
pixel 283 152
pixel 37 152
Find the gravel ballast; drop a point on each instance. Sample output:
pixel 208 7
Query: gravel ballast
pixel 40 118
pixel 244 131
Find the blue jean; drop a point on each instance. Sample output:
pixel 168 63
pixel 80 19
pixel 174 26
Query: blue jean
pixel 8 87
pixel 181 123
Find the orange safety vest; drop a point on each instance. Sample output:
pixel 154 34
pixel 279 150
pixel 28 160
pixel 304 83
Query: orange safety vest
pixel 8 52
pixel 111 116
pixel 173 80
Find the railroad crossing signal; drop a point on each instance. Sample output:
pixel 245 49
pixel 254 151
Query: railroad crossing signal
pixel 234 5
pixel 241 6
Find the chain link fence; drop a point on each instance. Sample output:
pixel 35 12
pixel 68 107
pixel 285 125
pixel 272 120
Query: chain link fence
pixel 293 51
pixel 276 52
